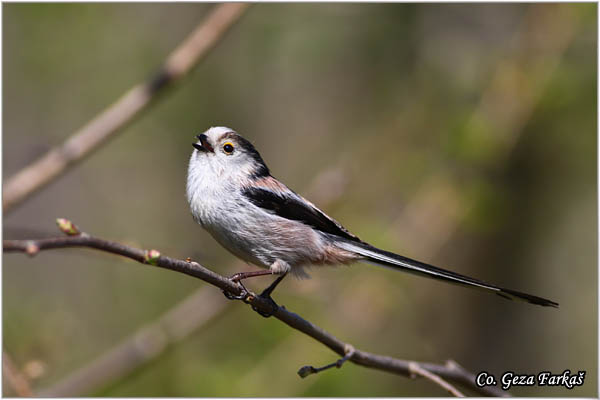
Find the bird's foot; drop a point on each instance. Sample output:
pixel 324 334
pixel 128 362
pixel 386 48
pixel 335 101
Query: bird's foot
pixel 246 296
pixel 244 293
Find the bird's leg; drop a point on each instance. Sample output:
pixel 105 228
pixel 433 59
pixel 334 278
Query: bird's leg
pixel 266 294
pixel 237 278
pixel 278 267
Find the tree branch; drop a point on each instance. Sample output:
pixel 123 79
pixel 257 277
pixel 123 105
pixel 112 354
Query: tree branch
pixel 449 371
pixel 96 132
pixel 418 370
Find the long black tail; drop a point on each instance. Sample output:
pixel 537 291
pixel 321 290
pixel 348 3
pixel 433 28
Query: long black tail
pixel 398 262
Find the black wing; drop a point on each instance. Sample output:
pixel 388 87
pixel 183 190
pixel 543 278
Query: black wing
pixel 294 208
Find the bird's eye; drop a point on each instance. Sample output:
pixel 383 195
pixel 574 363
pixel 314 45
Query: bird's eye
pixel 228 148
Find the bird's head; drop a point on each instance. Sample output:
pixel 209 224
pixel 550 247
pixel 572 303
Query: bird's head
pixel 224 153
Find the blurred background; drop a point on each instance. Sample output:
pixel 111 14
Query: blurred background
pixel 460 135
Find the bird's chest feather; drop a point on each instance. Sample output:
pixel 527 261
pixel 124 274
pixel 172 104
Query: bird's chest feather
pixel 222 212
pixel 209 195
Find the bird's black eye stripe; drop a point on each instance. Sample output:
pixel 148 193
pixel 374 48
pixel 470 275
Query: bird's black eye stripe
pixel 228 148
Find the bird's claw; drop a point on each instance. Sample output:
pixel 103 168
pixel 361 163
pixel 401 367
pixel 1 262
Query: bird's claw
pixel 230 296
pixel 247 297
pixel 243 294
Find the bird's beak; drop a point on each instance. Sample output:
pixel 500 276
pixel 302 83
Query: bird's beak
pixel 203 146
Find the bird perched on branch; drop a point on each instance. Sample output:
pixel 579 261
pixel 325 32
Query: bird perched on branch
pixel 260 220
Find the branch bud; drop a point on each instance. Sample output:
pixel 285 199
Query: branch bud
pixel 151 256
pixel 31 249
pixel 67 227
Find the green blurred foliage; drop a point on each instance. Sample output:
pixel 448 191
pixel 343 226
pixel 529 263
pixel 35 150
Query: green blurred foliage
pixel 394 95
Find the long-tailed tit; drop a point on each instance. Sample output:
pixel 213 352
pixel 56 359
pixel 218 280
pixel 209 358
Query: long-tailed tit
pixel 260 220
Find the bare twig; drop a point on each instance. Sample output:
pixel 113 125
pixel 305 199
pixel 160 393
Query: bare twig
pixel 153 257
pixel 105 125
pixel 14 377
pixel 309 369
pixel 416 369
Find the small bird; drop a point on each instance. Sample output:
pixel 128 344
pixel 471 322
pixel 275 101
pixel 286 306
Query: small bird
pixel 260 220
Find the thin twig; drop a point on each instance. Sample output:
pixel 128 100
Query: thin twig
pixel 14 377
pixel 416 369
pixel 81 143
pixel 153 257
pixel 309 369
